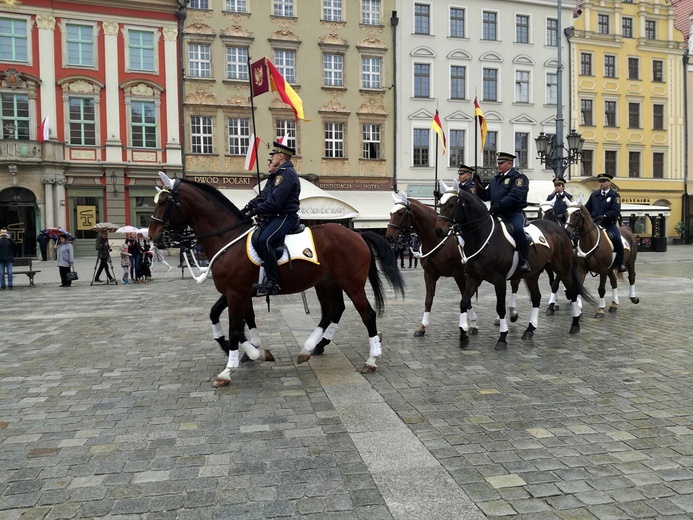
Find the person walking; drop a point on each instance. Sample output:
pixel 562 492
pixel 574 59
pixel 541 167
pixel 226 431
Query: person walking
pixel 125 261
pixel 7 249
pixel 43 239
pixel 135 257
pixel 562 199
pixel 507 193
pixel 414 246
pixel 103 249
pixel 604 206
pixel 65 255
pixel 158 256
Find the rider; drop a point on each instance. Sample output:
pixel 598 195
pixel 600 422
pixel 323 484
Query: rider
pixel 604 206
pixel 507 193
pixel 562 199
pixel 465 178
pixel 278 205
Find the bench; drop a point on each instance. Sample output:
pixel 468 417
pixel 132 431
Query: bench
pixel 29 271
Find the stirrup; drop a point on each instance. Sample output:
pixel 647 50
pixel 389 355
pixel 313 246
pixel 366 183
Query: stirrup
pixel 268 287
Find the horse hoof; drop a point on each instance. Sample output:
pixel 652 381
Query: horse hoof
pixel 318 351
pixel 464 342
pixel 557 307
pixel 551 310
pixel 302 358
pixel 267 355
pixel 245 359
pixel 635 300
pixel 613 308
pixel 528 334
pixel 220 382
pixel 513 317
pixel 600 314
pixel 574 329
pixel 368 369
pixel 474 331
pixel 501 345
pixel 496 322
pixel 419 333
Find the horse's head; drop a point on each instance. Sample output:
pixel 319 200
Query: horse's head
pixel 168 213
pixel 448 205
pixel 400 218
pixel 578 219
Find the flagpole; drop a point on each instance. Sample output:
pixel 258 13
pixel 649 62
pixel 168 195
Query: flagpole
pixel 252 112
pixel 435 185
pixel 476 142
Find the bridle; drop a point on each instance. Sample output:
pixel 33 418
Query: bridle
pixel 576 234
pixel 407 229
pixel 456 228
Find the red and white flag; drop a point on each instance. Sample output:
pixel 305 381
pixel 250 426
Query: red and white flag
pixel 284 139
pixel 44 132
pixel 251 154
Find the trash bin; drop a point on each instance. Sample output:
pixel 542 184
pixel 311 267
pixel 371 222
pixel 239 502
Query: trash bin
pixel 659 244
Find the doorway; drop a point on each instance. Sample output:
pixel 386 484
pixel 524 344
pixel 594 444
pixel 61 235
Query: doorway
pixel 18 212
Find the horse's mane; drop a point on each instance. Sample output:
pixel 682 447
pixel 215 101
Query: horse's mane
pixel 473 199
pixel 216 195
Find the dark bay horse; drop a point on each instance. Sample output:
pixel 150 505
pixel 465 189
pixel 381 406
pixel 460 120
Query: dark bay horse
pixel 595 254
pixel 491 257
pixel 342 261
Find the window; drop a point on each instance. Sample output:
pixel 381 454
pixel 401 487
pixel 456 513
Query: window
pixel 489 26
pixel 82 121
pixel 370 12
pixel 236 63
pixel 141 49
pixel 609 66
pixel 610 113
pixel 333 70
pixel 650 30
pixel 657 117
pixel 143 120
pixel 15 116
pixel 522 86
pixel 627 27
pixel 199 4
pixel 457 22
pixel 610 159
pixel 603 23
pixel 633 115
pixel 551 88
pixel 422 19
pixel 285 62
pixel 586 112
pixel 521 28
pixel 371 141
pixel 422 75
pixel 201 139
pixel 287 127
pixel 284 8
pixel 370 72
pixel 657 165
pixel 421 143
pixel 490 85
pixel 237 6
pixel 239 135
pixel 13 40
pixel 490 149
pixel 657 71
pixel 458 77
pixel 199 61
pixel 80 45
pixel 334 140
pixel 456 148
pixel 552 32
pixel 585 64
pixel 633 164
pixel 633 68
pixel 586 166
pixel 332 10
pixel 522 149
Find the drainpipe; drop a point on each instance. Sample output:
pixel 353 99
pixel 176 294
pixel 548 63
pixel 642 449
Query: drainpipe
pixel 685 214
pixel 394 21
pixel 181 15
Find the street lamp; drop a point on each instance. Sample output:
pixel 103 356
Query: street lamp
pixel 114 182
pixel 551 154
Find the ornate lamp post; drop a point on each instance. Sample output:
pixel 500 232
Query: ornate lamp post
pixel 551 154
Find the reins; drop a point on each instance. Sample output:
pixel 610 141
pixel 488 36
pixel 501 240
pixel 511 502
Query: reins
pixel 408 213
pixel 456 228
pixel 576 227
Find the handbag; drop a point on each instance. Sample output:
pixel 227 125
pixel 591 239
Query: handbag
pixel 71 276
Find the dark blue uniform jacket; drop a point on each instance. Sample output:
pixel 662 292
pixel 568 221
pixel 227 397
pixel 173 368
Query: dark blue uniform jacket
pixel 608 207
pixel 281 192
pixel 507 193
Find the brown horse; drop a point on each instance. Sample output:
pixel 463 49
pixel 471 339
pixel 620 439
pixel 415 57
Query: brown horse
pixel 595 254
pixel 341 260
pixel 491 256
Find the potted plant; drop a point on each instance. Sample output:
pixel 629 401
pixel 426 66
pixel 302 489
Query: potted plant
pixel 681 229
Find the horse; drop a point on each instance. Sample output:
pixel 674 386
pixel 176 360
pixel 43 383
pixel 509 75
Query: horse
pixel 595 254
pixel 491 256
pixel 338 261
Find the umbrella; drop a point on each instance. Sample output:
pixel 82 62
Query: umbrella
pixel 144 231
pixel 105 226
pixel 55 232
pixel 127 229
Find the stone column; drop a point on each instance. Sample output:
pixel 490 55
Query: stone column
pixel 173 144
pixel 46 59
pixel 113 142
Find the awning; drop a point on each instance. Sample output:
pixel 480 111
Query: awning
pixel 373 207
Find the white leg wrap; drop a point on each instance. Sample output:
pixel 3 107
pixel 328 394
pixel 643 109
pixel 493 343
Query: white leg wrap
pixel 575 309
pixel 513 300
pixel 602 303
pixel 331 330
pixel 250 350
pixel 225 374
pixel 503 325
pixel 614 296
pixel 233 359
pixel 631 292
pixel 426 319
pixel 553 298
pixel 255 337
pixel 376 350
pixel 534 317
pixel 472 314
pixel 579 302
pixel 217 331
pixel 313 339
pixel 371 361
pixel 464 324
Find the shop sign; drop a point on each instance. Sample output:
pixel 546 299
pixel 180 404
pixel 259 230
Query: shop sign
pixel 86 217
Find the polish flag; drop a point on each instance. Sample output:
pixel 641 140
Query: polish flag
pixel 251 154
pixel 44 132
pixel 284 139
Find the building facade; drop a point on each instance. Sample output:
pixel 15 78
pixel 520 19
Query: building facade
pixel 90 113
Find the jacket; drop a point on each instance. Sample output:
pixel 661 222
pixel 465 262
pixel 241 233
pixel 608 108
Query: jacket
pixel 65 255
pixel 280 194
pixel 507 193
pixel 607 207
pixel 7 247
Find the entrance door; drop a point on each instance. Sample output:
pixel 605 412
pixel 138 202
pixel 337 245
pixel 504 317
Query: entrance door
pixel 18 213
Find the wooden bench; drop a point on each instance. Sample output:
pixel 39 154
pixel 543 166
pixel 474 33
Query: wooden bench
pixel 29 271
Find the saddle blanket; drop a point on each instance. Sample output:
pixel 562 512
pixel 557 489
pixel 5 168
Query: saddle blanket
pixel 626 245
pixel 299 246
pixel 536 237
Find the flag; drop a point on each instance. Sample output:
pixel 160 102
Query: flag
pixel 283 139
pixel 438 127
pixel 44 132
pixel 288 95
pixel 259 77
pixel 577 12
pixel 482 122
pixel 251 154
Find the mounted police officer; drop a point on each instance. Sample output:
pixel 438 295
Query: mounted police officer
pixel 465 178
pixel 604 205
pixel 277 205
pixel 562 197
pixel 507 193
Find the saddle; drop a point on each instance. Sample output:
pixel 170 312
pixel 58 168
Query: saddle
pixel 279 248
pixel 534 235
pixel 297 245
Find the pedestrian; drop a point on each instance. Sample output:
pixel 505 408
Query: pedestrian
pixel 103 252
pixel 43 239
pixel 135 257
pixel 158 256
pixel 507 193
pixel 604 206
pixel 401 246
pixel 146 261
pixel 562 199
pixel 465 180
pixel 277 206
pixel 7 249
pixel 414 249
pixel 125 261
pixel 65 255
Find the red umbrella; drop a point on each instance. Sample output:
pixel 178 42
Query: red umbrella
pixel 55 232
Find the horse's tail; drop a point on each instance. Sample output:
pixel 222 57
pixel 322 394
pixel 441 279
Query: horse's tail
pixel 388 263
pixel 579 288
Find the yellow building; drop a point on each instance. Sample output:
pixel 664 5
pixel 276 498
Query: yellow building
pixel 627 101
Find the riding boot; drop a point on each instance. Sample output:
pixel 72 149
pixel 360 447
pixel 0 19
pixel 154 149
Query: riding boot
pixel 618 262
pixel 523 262
pixel 270 285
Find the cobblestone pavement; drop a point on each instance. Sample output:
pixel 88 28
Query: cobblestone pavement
pixel 106 409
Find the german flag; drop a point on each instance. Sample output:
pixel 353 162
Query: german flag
pixel 438 128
